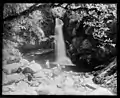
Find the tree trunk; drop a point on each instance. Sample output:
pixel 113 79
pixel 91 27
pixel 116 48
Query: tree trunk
pixel 107 77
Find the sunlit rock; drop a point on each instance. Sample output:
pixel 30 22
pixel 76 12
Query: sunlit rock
pixel 11 68
pixel 35 83
pixel 4 75
pixel 39 74
pixel 11 87
pixel 59 80
pixel 90 84
pixel 5 89
pixel 42 90
pixel 59 92
pixel 35 67
pixel 24 62
pixel 47 63
pixel 72 91
pixel 53 89
pixel 5 93
pixel 19 93
pixel 47 89
pixel 56 71
pixel 22 86
pixel 32 62
pixel 31 91
pixel 9 79
pixel 69 82
pixel 101 91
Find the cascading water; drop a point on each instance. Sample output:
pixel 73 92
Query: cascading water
pixel 60 49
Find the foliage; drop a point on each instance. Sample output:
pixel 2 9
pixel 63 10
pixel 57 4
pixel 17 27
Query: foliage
pixel 14 8
pixel 97 16
pixel 28 29
pixel 93 22
pixel 10 53
pixel 92 25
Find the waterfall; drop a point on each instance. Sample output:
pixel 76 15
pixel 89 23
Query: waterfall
pixel 60 48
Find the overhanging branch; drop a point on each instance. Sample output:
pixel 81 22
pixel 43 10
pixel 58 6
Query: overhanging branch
pixel 25 12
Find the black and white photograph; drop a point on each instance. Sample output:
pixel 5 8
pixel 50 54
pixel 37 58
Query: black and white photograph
pixel 59 49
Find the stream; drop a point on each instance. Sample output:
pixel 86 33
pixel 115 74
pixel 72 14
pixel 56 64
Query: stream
pixel 49 54
pixel 57 55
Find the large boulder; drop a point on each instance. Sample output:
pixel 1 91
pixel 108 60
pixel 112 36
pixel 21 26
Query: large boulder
pixel 9 79
pixel 35 67
pixel 28 70
pixel 11 68
pixel 24 62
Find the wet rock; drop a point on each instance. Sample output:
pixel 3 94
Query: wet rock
pixel 9 79
pixel 11 68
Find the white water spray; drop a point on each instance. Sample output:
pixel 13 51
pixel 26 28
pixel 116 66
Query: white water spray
pixel 60 48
